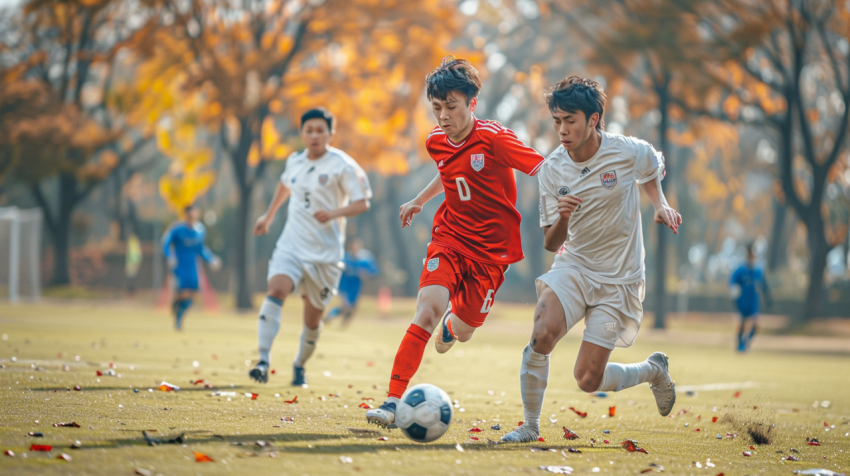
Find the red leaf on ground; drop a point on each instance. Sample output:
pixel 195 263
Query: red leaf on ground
pixel 540 439
pixel 568 434
pixel 198 382
pixel 294 399
pixel 202 458
pixel 612 411
pixel 697 429
pixel 254 396
pixel 40 447
pixel 581 414
pixel 737 394
pixel 714 419
pixel 475 430
pixel 814 443
pixel 366 406
pixel 274 371
pixel 99 373
pixel 825 425
pixel 473 438
pixel 747 453
pixel 699 417
pixel 77 388
pixel 631 446
pixel 752 448
pixel 520 423
pixel 605 441
pixel 73 424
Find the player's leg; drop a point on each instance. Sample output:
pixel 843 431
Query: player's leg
pixel 431 304
pixel 349 303
pixel 471 303
pixel 187 285
pixel 307 345
pixel 754 319
pixel 741 326
pixel 550 325
pixel 268 323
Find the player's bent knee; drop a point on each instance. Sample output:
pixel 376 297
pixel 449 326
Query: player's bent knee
pixel 542 342
pixel 588 382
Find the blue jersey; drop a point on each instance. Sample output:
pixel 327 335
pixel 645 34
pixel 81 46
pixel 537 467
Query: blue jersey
pixel 748 278
pixel 185 244
pixel 356 267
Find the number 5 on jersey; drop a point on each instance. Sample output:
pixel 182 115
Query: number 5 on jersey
pixel 463 190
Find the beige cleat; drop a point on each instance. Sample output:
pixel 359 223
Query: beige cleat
pixel 663 386
pixel 444 340
pixel 523 434
pixel 384 416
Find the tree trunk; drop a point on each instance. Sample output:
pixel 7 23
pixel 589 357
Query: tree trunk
pixel 243 288
pixel 818 249
pixel 401 240
pixel 661 229
pixel 776 256
pixel 62 229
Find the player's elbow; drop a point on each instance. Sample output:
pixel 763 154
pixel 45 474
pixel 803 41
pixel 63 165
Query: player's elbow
pixel 553 247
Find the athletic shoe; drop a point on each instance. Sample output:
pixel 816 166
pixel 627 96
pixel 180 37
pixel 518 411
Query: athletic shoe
pixel 523 434
pixel 260 372
pixel 444 340
pixel 298 377
pixel 663 386
pixel 385 414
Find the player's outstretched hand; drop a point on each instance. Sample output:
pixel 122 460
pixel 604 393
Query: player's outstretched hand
pixel 567 205
pixel 669 217
pixel 261 227
pixel 406 212
pixel 322 216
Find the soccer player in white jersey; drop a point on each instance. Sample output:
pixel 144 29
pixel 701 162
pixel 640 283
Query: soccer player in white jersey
pixel 590 213
pixel 324 186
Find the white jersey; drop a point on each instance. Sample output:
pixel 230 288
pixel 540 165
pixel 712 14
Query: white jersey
pixel 605 239
pixel 330 182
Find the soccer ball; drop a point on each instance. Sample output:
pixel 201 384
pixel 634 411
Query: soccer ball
pixel 424 413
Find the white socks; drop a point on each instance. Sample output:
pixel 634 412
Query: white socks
pixel 268 326
pixel 533 378
pixel 308 345
pixel 620 376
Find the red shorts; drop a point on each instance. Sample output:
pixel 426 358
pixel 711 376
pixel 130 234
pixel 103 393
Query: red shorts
pixel 472 284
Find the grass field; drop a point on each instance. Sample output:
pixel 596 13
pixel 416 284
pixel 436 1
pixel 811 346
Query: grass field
pixel 786 378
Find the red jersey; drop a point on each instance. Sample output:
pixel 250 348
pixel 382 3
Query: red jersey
pixel 478 217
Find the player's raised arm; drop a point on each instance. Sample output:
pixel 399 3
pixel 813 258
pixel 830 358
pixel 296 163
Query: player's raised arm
pixel 556 234
pixel 406 211
pixel 281 194
pixel 664 213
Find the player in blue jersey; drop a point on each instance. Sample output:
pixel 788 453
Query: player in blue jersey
pixel 359 263
pixel 182 245
pixel 744 285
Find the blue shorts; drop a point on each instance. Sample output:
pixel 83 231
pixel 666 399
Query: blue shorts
pixel 747 312
pixel 349 289
pixel 186 279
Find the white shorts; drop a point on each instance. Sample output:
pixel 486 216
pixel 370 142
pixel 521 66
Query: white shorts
pixel 612 312
pixel 317 281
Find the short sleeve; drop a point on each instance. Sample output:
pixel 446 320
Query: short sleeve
pixel 548 204
pixel 355 183
pixel 287 170
pixel 509 151
pixel 649 163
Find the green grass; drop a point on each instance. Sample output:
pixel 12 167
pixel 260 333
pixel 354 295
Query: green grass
pixel 355 363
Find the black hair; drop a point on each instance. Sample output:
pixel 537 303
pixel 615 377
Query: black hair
pixel 318 113
pixel 188 208
pixel 575 94
pixel 453 75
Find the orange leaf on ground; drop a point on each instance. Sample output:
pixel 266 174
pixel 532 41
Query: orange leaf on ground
pixel 254 396
pixel 294 399
pixel 612 411
pixel 202 458
pixel 581 414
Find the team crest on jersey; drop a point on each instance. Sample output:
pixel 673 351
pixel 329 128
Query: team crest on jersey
pixel 433 264
pixel 477 162
pixel 564 191
pixel 609 179
pixel 441 163
pixel 323 179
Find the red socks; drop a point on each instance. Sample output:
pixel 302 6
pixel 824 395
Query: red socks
pixel 407 359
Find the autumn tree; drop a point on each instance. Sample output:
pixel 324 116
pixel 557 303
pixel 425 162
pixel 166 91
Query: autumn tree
pixel 255 63
pixel 59 124
pixel 787 62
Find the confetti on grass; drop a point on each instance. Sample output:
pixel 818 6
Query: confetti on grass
pixel 202 458
pixel 581 414
pixel 294 399
pixel 570 435
pixel 632 447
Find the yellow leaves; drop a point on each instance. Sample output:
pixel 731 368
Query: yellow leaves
pixel 738 203
pixel 731 106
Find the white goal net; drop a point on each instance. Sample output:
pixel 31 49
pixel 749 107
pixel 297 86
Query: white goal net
pixel 20 251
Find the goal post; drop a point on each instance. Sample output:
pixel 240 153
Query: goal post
pixel 20 253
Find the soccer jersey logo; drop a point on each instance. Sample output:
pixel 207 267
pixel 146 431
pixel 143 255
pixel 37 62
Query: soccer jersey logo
pixel 564 191
pixel 323 179
pixel 440 164
pixel 584 172
pixel 609 179
pixel 433 263
pixel 477 162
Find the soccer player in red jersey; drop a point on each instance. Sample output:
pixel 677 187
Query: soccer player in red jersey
pixel 476 231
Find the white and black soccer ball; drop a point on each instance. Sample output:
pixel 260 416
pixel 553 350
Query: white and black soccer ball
pixel 424 413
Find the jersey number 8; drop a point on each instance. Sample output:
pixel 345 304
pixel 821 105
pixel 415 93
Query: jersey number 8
pixel 463 189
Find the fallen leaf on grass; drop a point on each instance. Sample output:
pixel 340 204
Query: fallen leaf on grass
pixel 65 457
pixel 366 406
pixel 202 458
pixel 737 394
pixel 40 448
pixel 294 399
pixel 254 396
pixel 714 419
pixel 581 414
pixel 475 438
pixel 632 446
pixel 475 430
pixel 73 424
pixel 77 388
pixel 570 435
pixel 540 439
pixel 557 469
pixel 168 387
pixel 612 411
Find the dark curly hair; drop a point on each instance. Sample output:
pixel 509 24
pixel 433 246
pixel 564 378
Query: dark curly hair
pixel 575 94
pixel 453 75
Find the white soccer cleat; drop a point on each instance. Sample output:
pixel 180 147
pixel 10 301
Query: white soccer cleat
pixel 444 340
pixel 384 415
pixel 663 386
pixel 523 434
